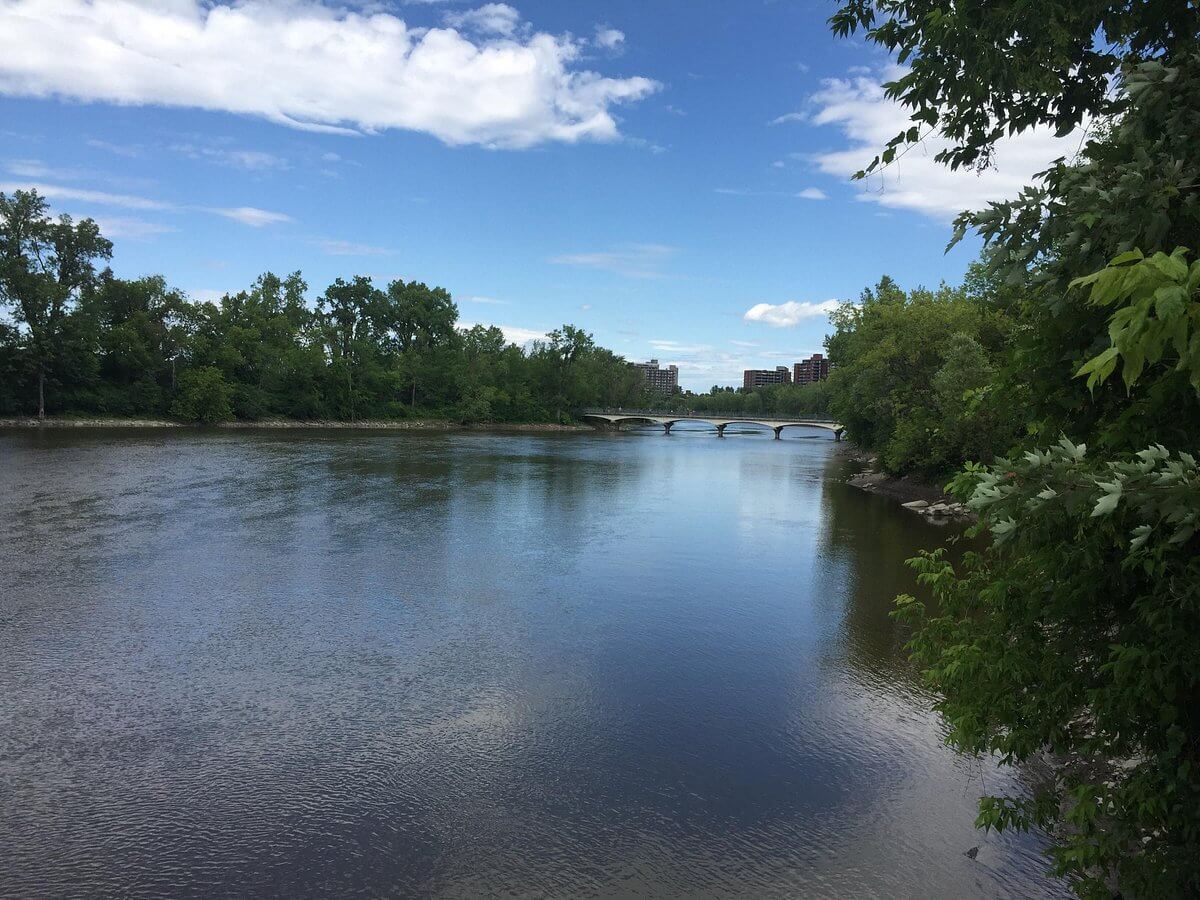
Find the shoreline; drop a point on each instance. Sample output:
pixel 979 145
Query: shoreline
pixel 24 423
pixel 916 494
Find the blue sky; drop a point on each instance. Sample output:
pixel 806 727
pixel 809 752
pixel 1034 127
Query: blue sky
pixel 673 176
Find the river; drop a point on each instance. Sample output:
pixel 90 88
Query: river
pixel 300 663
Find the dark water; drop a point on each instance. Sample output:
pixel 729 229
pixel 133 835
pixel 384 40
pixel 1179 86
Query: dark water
pixel 369 663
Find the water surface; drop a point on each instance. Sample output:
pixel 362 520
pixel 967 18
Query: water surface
pixel 376 663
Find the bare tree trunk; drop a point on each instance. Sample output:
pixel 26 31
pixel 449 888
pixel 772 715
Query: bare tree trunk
pixel 42 391
pixel 413 398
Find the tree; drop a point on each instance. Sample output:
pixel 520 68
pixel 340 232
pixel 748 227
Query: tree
pixel 204 396
pixel 1074 631
pixel 417 317
pixel 980 71
pixel 563 349
pixel 43 267
pixel 347 310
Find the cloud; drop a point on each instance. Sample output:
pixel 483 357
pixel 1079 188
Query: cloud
pixel 132 151
pixel 786 315
pixel 609 38
pixel 744 344
pixel 486 301
pixel 491 18
pixel 131 228
pixel 312 66
pixel 103 198
pixel 32 168
pixel 334 247
pixel 248 215
pixel 512 333
pixel 632 260
pixel 789 117
pixel 251 160
pixel 810 193
pixel 868 120
pixel 677 348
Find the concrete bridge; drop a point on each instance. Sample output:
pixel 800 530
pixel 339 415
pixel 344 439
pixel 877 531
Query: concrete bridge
pixel 619 417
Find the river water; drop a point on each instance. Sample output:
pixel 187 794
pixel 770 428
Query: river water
pixel 280 663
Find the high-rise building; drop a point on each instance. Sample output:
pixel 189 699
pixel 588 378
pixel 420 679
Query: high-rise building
pixel 815 368
pixel 756 378
pixel 660 381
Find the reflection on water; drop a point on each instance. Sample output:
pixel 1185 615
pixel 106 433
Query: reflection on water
pixel 459 665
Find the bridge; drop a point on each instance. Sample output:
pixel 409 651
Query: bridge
pixel 619 417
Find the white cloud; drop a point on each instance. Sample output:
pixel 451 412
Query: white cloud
pixel 349 248
pixel 789 117
pixel 677 348
pixel 633 260
pixel 811 193
pixel 104 198
pixel 248 215
pixel 491 18
pixel 486 301
pixel 313 66
pixel 745 344
pixel 868 120
pixel 130 228
pixel 609 38
pixel 132 151
pixel 252 160
pixel 512 333
pixel 786 315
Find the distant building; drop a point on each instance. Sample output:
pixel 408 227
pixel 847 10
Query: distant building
pixel 756 378
pixel 815 368
pixel 660 381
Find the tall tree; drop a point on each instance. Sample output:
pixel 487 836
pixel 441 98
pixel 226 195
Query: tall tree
pixel 416 317
pixel 44 265
pixel 347 308
pixel 564 347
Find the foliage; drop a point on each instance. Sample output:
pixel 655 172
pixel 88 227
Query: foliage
pixel 204 396
pixel 1159 315
pixel 1131 189
pixel 1078 632
pixel 913 373
pixel 1074 631
pixel 773 399
pixel 980 71
pixel 43 267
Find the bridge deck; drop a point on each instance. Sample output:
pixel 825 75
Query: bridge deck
pixel 718 420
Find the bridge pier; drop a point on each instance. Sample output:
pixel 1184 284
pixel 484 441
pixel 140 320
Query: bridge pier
pixel 667 427
pixel 778 431
pixel 720 431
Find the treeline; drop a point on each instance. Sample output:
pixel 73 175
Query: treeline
pixel 777 399
pixel 91 343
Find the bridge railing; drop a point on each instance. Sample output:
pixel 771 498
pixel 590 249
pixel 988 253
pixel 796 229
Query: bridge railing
pixel 697 414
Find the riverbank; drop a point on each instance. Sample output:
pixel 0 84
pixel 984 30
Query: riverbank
pixel 319 424
pixel 920 495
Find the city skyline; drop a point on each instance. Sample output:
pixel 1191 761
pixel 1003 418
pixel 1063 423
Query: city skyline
pixel 675 180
